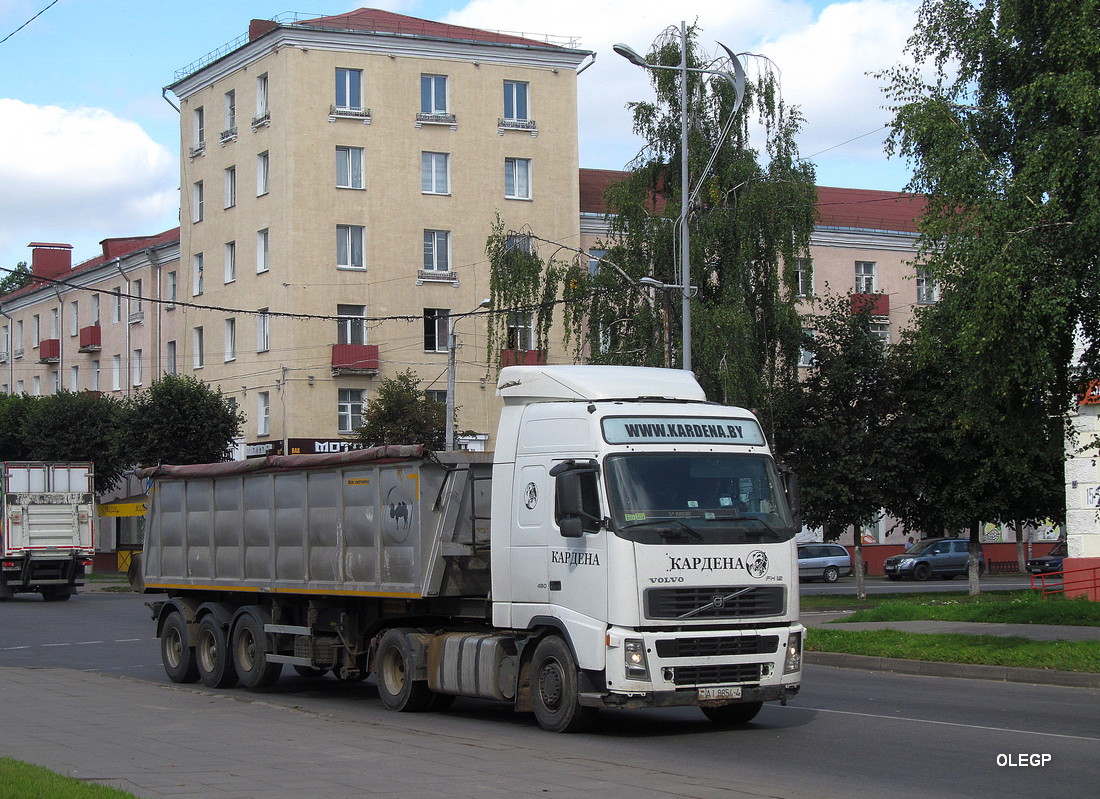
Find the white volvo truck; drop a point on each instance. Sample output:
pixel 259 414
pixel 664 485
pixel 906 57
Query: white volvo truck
pixel 628 545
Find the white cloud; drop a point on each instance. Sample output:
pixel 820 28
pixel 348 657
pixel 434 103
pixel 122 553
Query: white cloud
pixel 69 173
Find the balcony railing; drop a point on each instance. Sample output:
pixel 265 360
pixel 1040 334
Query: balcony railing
pixel 425 118
pixel 355 359
pixel 522 357
pixel 49 350
pixel 90 338
pixel 435 276
pixel 516 124
pixel 879 303
pixel 229 134
pixel 342 112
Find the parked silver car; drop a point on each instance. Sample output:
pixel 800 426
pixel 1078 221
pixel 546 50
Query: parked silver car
pixel 828 562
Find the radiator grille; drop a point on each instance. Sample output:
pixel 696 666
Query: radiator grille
pixel 715 602
pixel 717 675
pixel 704 647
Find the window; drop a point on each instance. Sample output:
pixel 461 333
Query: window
pixel 437 244
pixel 349 246
pixel 93 384
pixel 263 173
pixel 197 201
pixel 349 413
pixel 517 178
pixel 36 330
pixel 436 395
pixel 349 89
pixel 116 314
pixel 230 187
pixel 116 373
pixel 230 340
pixel 881 330
pixel 74 378
pixel 927 290
pixel 230 261
pixel 434 173
pixel 352 324
pixel 804 277
pixel 263 413
pixel 170 358
pixel 262 251
pixel 594 258
pixel 17 340
pixel 95 309
pixel 263 331
pixel 261 95
pixel 436 329
pixel 200 130
pixel 433 94
pixel 36 386
pixel 135 301
pixel 521 331
pixel 349 167
pixel 170 291
pixel 519 242
pixel 805 357
pixel 865 277
pixel 199 357
pixel 196 272
pixel 135 367
pixel 74 318
pixel 230 106
pixel 515 100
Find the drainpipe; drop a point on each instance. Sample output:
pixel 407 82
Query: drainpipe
pixel 60 337
pixel 126 319
pixel 11 364
pixel 157 332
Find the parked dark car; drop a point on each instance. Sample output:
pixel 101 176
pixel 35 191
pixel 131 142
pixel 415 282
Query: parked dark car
pixel 828 562
pixel 1050 562
pixel 945 557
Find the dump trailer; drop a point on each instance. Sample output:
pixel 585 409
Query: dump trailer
pixel 47 537
pixel 627 545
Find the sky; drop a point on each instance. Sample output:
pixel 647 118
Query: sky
pixel 89 146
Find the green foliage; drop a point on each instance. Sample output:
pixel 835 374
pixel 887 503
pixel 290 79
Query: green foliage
pixel 179 420
pixel 400 413
pixel 751 216
pixel 75 426
pixel 19 780
pixel 1000 607
pixel 15 279
pixel 13 409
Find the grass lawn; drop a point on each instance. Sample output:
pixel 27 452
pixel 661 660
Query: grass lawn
pixel 20 780
pixel 1000 607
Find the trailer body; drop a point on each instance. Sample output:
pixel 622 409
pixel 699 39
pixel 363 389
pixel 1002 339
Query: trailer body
pixel 627 545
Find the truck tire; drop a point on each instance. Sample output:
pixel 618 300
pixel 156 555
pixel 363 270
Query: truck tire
pixel 922 571
pixel 249 647
pixel 392 664
pixel 737 713
pixel 212 655
pixel 176 655
pixel 555 689
pixel 57 593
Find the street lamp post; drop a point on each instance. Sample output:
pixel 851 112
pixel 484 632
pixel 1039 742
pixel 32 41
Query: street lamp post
pixel 451 368
pixel 737 80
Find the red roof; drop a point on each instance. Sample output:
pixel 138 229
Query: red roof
pixel 378 21
pixel 865 209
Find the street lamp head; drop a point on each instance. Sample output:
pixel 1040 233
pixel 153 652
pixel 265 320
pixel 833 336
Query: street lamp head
pixel 653 282
pixel 630 54
pixel 485 303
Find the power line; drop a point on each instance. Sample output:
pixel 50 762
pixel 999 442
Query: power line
pixel 29 21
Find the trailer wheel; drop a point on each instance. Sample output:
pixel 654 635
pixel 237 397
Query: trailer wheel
pixel 738 713
pixel 396 688
pixel 250 651
pixel 178 658
pixel 212 656
pixel 555 690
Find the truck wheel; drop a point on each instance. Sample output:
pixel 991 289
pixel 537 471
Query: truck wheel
pixel 831 574
pixel 554 688
pixel 178 658
pixel 250 651
pixel 212 654
pixel 922 571
pixel 738 713
pixel 392 664
pixel 57 593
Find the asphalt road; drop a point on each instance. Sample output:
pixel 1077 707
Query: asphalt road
pixel 850 733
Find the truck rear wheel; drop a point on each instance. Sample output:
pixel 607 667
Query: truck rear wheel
pixel 212 656
pixel 738 713
pixel 393 667
pixel 175 653
pixel 57 593
pixel 554 688
pixel 249 646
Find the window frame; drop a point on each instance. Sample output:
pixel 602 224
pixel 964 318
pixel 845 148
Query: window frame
pixel 513 190
pixel 345 77
pixel 510 98
pixel 352 166
pixel 430 102
pixel 351 241
pixel 437 250
pixel 346 414
pixel 866 277
pixel 435 167
pixel 436 329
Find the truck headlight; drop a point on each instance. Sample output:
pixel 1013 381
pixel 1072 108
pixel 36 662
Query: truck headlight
pixel 793 662
pixel 637 668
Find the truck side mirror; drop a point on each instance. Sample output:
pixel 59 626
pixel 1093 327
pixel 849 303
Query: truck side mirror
pixel 790 486
pixel 576 499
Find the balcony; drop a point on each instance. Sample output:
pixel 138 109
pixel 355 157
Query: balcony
pixel 261 120
pixel 354 359
pixel 197 150
pixel 228 135
pixel 523 357
pixel 424 118
pixel 342 112
pixel 517 124
pixel 49 350
pixel 90 338
pixel 879 303
pixel 436 276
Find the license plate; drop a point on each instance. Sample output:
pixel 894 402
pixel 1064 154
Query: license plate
pixel 728 692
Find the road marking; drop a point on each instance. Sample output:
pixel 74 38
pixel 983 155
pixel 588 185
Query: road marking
pixel 941 723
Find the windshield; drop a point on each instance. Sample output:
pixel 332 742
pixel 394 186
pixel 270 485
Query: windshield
pixel 712 498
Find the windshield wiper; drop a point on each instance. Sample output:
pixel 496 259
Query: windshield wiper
pixel 740 518
pixel 665 532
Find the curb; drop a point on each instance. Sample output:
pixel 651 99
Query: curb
pixel 932 668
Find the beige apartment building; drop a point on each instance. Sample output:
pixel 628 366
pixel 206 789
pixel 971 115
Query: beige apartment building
pixel 339 179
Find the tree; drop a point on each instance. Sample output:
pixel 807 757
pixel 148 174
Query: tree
pixel 179 420
pixel 13 409
pixel 750 218
pixel 401 413
pixel 834 439
pixel 75 426
pixel 11 280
